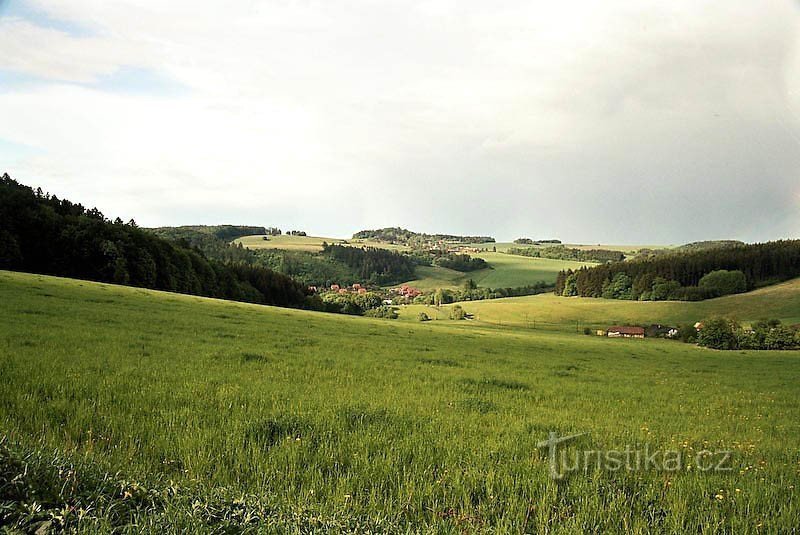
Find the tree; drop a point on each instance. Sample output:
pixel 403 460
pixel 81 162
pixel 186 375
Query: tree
pixel 664 289
pixel 723 282
pixel 438 297
pixel 618 288
pixel 457 313
pixel 469 284
pixel 570 286
pixel 719 333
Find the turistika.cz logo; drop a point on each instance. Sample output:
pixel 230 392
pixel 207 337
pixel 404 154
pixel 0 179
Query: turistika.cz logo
pixel 563 461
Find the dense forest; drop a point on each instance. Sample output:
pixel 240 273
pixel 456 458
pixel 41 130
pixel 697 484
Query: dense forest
pixel 693 275
pixel 220 232
pixel 559 252
pixel 40 233
pixel 460 262
pixel 213 241
pixel 407 237
pixel 373 265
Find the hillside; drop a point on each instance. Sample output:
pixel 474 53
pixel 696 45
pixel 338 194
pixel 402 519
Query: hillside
pixel 507 270
pixel 215 414
pixel 781 301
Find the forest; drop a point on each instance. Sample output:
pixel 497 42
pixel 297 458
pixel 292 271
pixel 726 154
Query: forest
pixel 559 252
pixel 373 265
pixel 408 237
pixel 40 233
pixel 690 276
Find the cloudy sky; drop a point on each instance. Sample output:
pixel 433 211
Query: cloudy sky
pixel 614 121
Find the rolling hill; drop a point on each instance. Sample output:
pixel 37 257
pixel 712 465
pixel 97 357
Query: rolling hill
pixel 507 270
pixel 781 301
pixel 138 410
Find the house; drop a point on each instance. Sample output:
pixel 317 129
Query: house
pixel 625 331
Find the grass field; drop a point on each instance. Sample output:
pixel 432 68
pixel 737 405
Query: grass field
pixel 286 242
pixel 507 271
pixel 307 243
pixel 151 412
pixel 781 301
pixel 513 270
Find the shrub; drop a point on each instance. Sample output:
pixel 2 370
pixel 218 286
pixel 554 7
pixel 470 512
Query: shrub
pixel 423 317
pixel 382 311
pixel 687 333
pixel 457 313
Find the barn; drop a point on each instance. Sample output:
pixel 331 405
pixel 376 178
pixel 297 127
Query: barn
pixel 619 331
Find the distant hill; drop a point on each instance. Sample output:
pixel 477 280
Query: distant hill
pixel 710 244
pixel 408 237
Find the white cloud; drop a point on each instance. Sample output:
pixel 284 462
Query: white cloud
pixel 428 114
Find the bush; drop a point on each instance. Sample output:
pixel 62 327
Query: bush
pixel 457 313
pixel 382 311
pixel 687 333
pixel 423 317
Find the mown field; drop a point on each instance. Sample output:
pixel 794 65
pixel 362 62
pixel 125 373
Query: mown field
pixel 152 412
pixel 781 301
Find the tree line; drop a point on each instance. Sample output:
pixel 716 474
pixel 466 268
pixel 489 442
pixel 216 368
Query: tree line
pixel 408 237
pixel 559 252
pixel 759 264
pixel 41 233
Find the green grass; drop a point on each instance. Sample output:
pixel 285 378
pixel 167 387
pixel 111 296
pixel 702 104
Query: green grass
pixel 307 243
pixel 506 271
pixel 211 416
pixel 286 242
pixel 781 301
pixel 513 270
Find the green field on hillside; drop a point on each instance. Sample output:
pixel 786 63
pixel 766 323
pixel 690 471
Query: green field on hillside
pixel 506 271
pixel 286 242
pixel 307 243
pixel 514 270
pixel 781 301
pixel 150 412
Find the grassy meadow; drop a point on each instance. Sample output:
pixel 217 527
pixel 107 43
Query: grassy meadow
pixel 144 411
pixel 781 301
pixel 307 243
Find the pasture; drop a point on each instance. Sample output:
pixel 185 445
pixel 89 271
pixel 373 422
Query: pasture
pixel 145 411
pixel 543 311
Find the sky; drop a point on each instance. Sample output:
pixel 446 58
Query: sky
pixel 593 122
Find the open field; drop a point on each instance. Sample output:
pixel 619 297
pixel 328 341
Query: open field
pixel 216 415
pixel 284 241
pixel 781 301
pixel 506 271
pixel 513 270
pixel 307 243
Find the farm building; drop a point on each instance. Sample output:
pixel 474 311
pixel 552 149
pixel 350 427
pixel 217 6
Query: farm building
pixel 625 332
